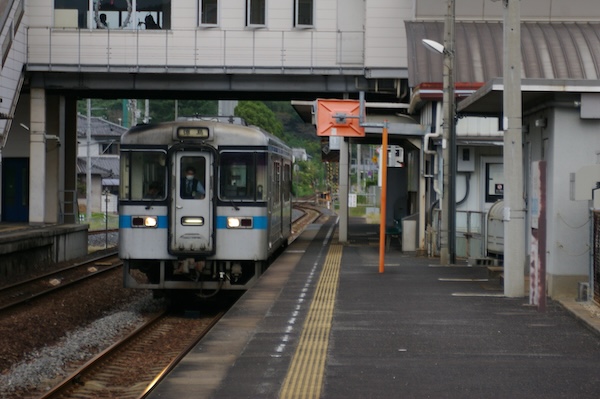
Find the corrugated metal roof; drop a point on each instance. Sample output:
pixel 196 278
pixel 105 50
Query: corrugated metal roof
pixel 550 50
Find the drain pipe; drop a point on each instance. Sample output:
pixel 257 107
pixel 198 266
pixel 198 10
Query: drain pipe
pixel 426 150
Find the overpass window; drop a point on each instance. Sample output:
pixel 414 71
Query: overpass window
pixel 256 12
pixel 113 14
pixel 209 14
pixel 303 13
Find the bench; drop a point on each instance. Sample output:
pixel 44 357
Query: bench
pixel 395 231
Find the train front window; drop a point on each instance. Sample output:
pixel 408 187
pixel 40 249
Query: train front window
pixel 242 176
pixel 193 172
pixel 143 175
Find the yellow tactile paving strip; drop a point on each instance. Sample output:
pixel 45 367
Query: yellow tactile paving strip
pixel 305 375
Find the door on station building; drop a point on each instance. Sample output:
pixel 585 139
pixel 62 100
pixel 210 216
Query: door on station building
pixel 15 190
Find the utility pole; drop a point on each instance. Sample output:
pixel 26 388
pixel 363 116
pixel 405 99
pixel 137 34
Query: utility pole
pixel 514 204
pixel 88 173
pixel 447 228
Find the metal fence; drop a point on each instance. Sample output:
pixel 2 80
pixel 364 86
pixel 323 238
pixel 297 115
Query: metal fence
pixel 470 234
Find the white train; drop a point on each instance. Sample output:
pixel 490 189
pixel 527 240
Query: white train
pixel 203 204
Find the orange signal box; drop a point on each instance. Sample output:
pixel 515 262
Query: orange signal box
pixel 339 118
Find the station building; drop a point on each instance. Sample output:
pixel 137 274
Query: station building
pixel 55 53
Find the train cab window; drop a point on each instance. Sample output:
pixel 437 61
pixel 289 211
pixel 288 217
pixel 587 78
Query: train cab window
pixel 143 175
pixel 243 176
pixel 193 178
pixel 237 176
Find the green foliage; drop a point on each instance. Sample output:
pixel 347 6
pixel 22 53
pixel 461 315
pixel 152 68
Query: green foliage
pixel 258 114
pixel 308 177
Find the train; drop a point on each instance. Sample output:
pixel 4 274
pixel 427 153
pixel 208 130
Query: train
pixel 204 204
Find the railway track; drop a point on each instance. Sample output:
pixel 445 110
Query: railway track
pixel 24 291
pixel 132 367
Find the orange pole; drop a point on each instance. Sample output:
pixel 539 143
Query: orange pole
pixel 384 158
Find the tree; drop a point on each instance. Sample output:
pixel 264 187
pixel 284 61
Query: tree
pixel 258 114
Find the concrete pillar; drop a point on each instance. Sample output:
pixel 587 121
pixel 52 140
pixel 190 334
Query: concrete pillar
pixel 514 204
pixel 37 157
pixel 343 190
pixel 69 146
pixel 54 160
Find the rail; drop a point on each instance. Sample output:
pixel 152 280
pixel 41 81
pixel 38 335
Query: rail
pixel 100 374
pixel 24 291
pixel 190 50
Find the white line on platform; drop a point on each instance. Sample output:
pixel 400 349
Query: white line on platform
pixel 463 279
pixel 476 294
pixel 386 265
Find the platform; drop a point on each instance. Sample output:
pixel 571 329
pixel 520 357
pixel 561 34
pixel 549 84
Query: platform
pixel 25 248
pixel 322 322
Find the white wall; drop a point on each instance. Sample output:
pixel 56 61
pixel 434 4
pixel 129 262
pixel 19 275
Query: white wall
pixel 385 36
pixel 573 143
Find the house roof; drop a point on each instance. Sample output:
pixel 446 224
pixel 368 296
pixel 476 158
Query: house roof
pixel 550 50
pixel 99 127
pixel 105 166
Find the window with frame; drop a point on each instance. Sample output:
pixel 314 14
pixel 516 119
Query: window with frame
pixel 113 14
pixel 143 175
pixel 256 12
pixel 242 176
pixel 209 12
pixel 494 176
pixel 304 13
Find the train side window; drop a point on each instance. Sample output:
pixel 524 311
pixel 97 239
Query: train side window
pixel 287 180
pixel 261 176
pixel 276 182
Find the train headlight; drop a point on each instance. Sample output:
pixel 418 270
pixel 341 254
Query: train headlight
pixel 192 221
pixel 239 222
pixel 144 221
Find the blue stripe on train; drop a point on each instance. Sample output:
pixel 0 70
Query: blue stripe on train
pixel 125 222
pixel 258 222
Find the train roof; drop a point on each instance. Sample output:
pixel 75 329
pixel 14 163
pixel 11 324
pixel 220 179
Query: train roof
pixel 221 134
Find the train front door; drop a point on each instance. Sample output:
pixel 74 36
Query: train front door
pixel 191 226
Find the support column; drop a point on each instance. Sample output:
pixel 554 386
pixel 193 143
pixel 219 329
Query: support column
pixel 37 157
pixel 343 190
pixel 514 204
pixel 71 210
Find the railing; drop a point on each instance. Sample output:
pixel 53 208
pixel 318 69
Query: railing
pixel 470 234
pixel 62 48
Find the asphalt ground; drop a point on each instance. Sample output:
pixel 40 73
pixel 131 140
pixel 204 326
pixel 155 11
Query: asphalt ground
pixel 418 330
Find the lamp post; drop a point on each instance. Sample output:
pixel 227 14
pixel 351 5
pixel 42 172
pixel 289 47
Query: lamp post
pixel 448 224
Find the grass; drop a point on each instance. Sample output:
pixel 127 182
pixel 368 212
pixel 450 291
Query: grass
pixel 98 221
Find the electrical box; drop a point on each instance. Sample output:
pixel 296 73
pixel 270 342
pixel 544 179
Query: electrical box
pixel 465 159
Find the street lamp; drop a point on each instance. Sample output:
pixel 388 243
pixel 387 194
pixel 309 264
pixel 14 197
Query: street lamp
pixel 448 224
